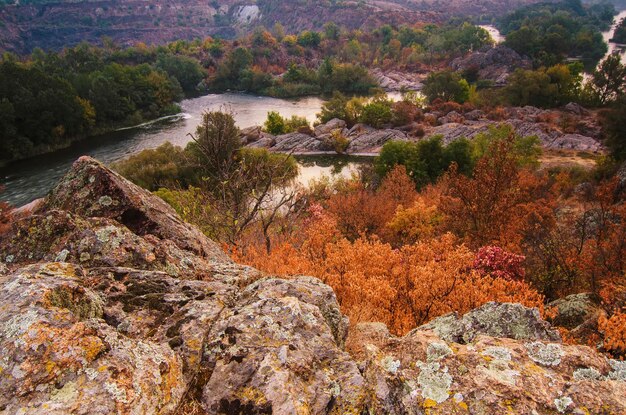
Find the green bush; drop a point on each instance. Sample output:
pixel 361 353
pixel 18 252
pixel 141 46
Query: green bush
pixel 377 112
pixel 426 160
pixel 446 86
pixel 164 166
pixel 275 124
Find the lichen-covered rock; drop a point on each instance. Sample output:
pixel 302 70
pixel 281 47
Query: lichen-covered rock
pixel 574 310
pixel 60 357
pixel 90 190
pixel 493 319
pixel 277 354
pixel 307 289
pixel 424 373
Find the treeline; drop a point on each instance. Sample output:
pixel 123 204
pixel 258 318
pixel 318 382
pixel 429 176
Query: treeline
pixel 551 32
pixel 546 87
pixel 334 59
pixel 52 99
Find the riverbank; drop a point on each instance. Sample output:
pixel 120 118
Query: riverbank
pixel 569 128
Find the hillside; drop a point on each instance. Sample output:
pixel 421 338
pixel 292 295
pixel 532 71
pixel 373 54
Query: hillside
pixel 53 25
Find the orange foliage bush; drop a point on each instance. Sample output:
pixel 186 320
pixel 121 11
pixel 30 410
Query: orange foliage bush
pixel 402 287
pixel 500 203
pixel 614 329
pixel 414 223
pixel 359 210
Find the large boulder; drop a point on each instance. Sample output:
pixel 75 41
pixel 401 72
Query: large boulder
pixel 92 191
pixel 493 63
pixel 329 127
pixel 396 81
pixel 251 134
pixel 575 312
pixel 496 320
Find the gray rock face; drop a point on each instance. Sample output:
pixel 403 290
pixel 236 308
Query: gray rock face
pixel 373 141
pixel 251 134
pixel 329 127
pixel 508 320
pixel 574 310
pixel 395 81
pixel 576 109
pixel 493 63
pixel 362 138
pixel 549 137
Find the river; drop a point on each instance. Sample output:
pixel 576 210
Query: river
pixel 30 179
pixel 613 47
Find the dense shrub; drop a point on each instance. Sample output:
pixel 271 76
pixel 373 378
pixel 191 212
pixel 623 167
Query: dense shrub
pixel 447 86
pixel 425 160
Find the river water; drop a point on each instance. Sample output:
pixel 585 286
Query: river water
pixel 30 179
pixel 613 47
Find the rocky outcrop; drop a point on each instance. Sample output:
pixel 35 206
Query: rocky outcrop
pixel 423 373
pixel 361 139
pixel 571 128
pixel 110 304
pixel 492 63
pixel 395 81
pixel 526 121
pixel 512 321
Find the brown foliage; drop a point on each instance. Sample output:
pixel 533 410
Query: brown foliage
pixel 5 214
pixel 405 113
pixel 359 210
pixel 402 287
pixel 499 204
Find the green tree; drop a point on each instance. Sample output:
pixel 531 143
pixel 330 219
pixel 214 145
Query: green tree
pixel 187 71
pixel 331 31
pixel 377 112
pixel 309 39
pixel 609 80
pixel 274 124
pixel 447 86
pixel 615 128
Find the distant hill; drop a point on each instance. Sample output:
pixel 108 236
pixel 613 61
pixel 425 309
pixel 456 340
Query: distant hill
pixel 26 24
